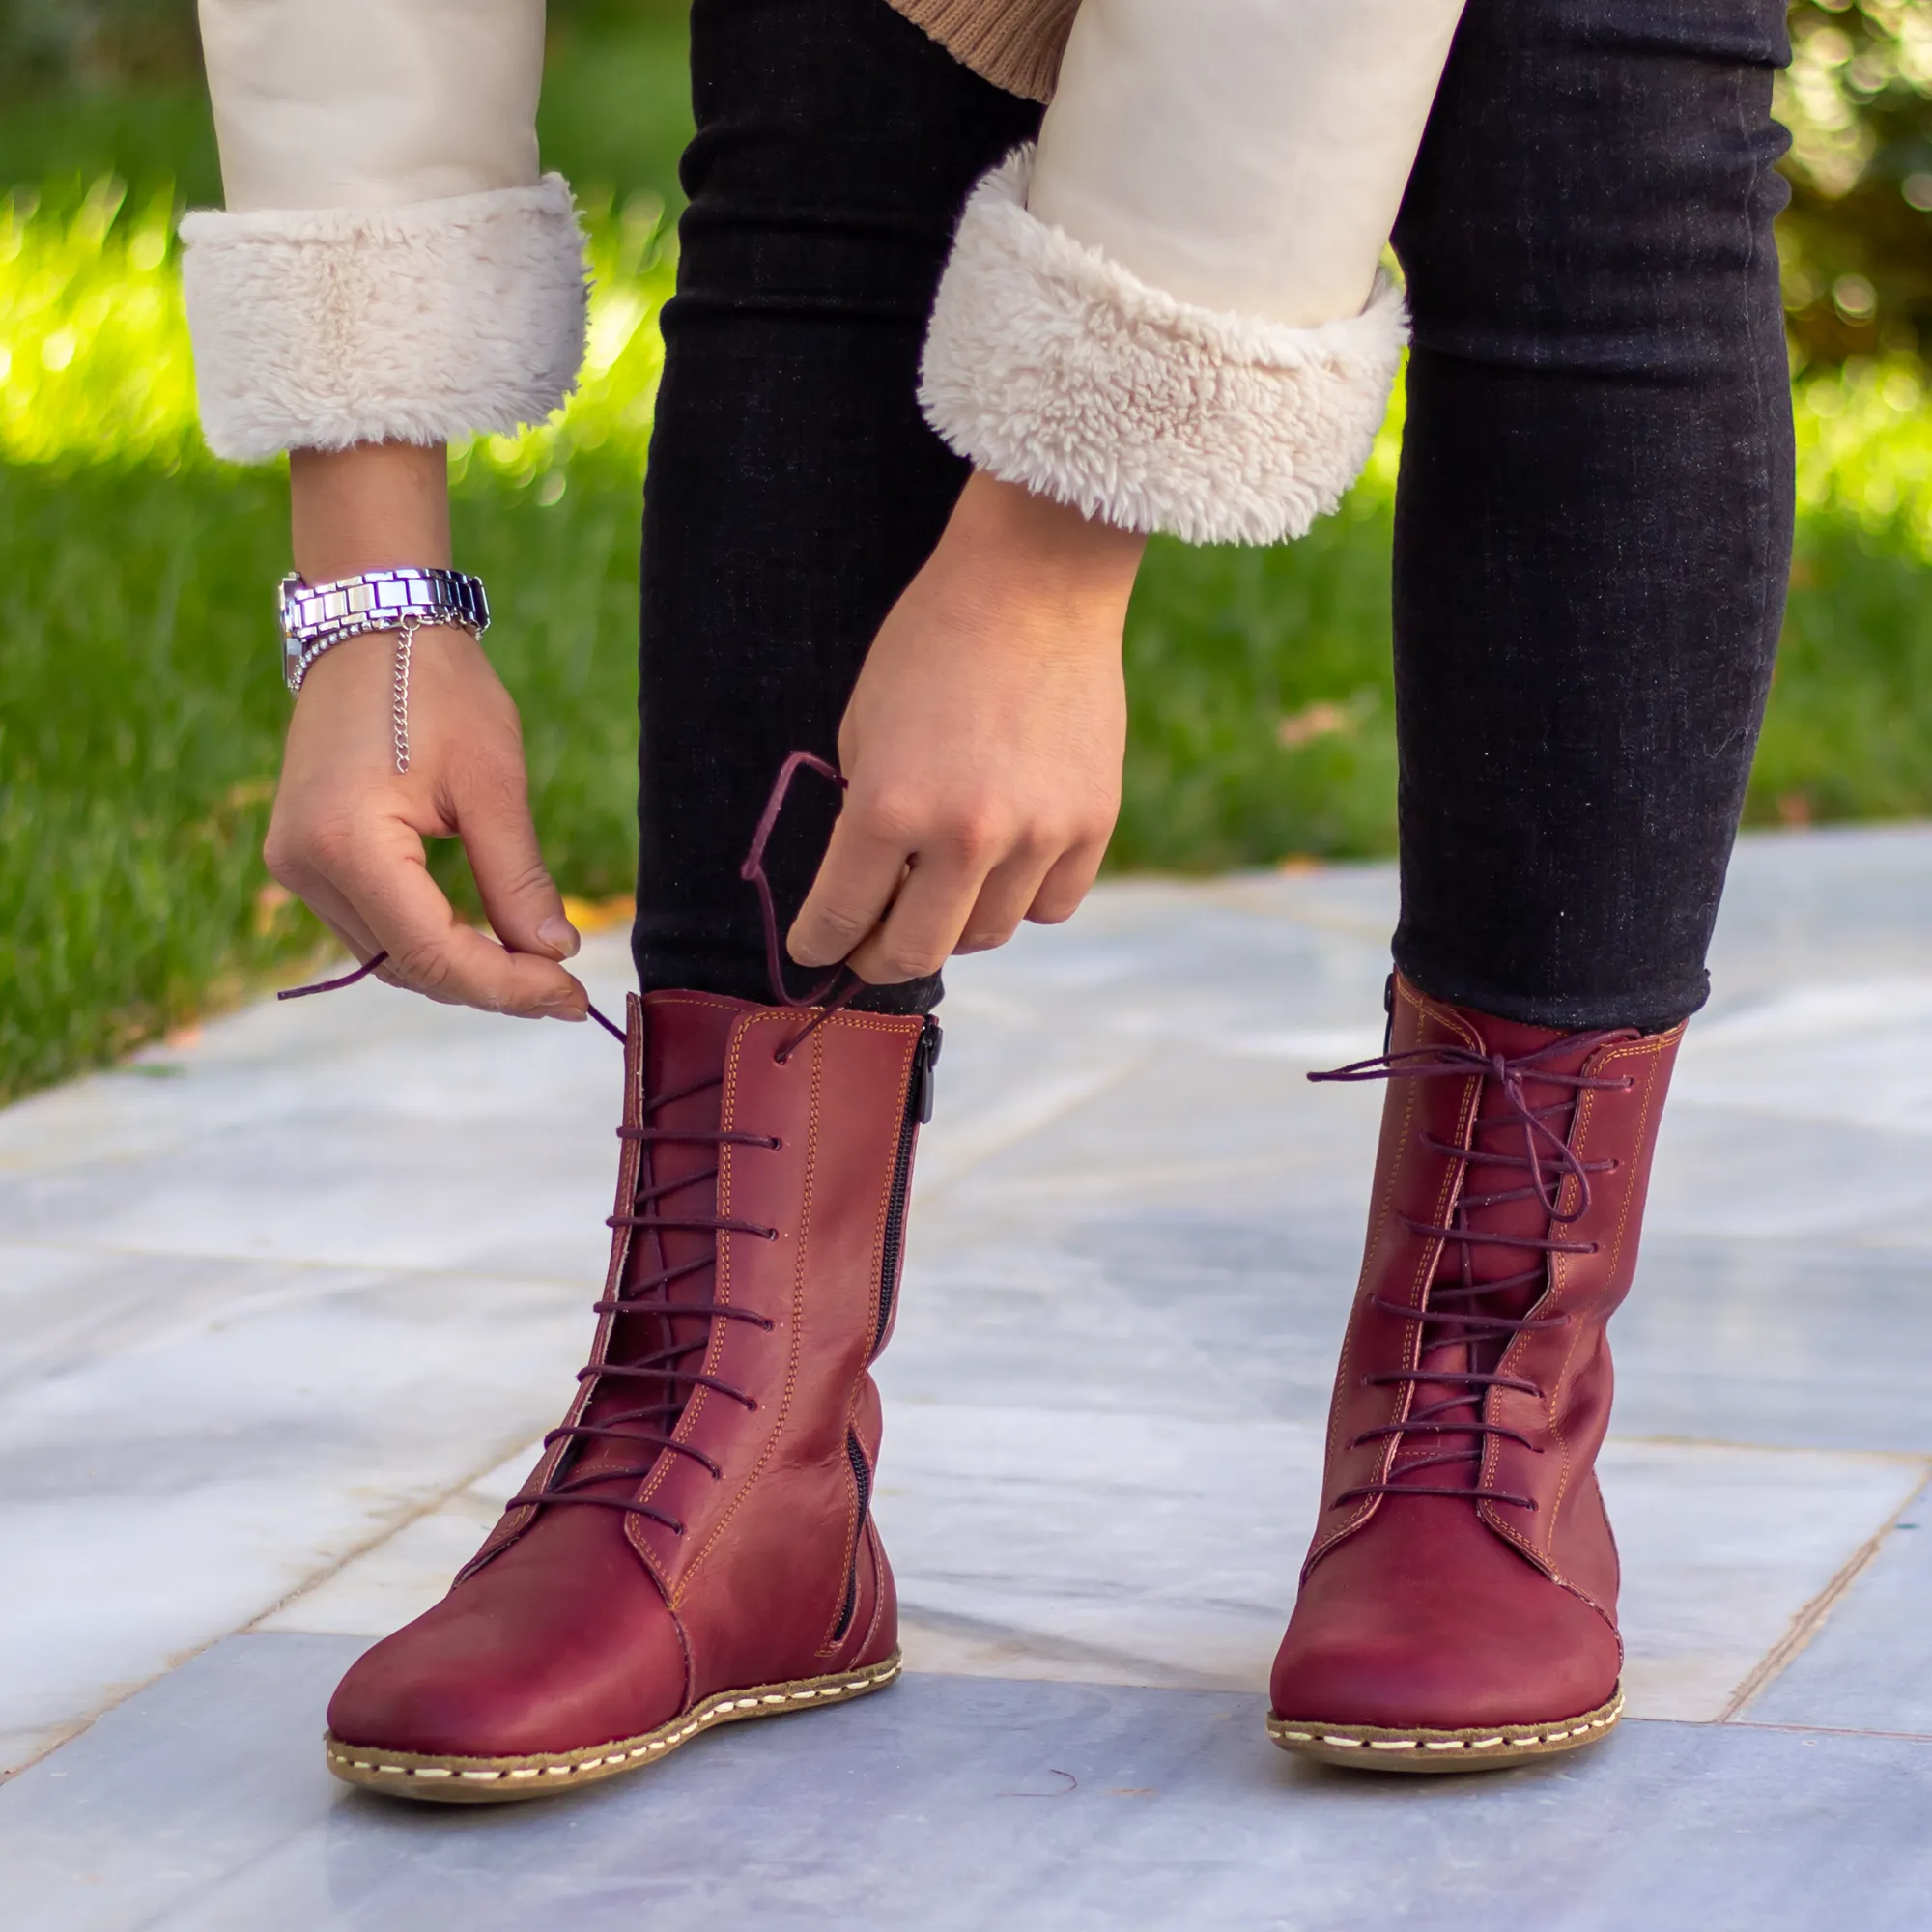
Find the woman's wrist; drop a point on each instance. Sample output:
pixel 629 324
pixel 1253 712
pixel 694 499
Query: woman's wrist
pixel 374 506
pixel 1038 548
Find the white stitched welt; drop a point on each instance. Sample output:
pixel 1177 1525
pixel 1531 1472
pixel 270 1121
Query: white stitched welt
pixel 1499 1742
pixel 701 1720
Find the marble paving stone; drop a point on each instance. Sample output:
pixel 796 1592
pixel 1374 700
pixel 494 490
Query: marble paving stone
pixel 1725 1548
pixel 1858 1052
pixel 1869 1667
pixel 361 1128
pixel 271 1298
pixel 1734 1174
pixel 400 1577
pixel 1837 903
pixel 1232 1314
pixel 1096 1546
pixel 1794 1342
pixel 950 1805
pixel 1153 1550
pixel 183 1474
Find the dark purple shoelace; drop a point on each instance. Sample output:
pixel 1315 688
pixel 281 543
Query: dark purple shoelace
pixel 650 1425
pixel 1451 1315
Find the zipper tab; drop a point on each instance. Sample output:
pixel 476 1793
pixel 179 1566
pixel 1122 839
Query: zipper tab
pixel 925 1058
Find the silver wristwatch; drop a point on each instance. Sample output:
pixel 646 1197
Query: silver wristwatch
pixel 318 615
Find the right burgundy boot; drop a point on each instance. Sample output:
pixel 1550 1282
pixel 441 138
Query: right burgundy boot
pixel 695 1546
pixel 1457 1606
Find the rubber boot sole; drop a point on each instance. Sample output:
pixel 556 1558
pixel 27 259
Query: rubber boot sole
pixel 1370 1748
pixel 499 1780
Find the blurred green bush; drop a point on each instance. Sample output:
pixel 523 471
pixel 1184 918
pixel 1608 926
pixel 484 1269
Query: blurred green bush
pixel 1856 241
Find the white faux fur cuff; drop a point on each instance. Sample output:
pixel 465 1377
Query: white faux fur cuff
pixel 1054 367
pixel 320 327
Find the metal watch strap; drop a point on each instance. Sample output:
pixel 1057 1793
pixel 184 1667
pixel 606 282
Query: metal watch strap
pixel 314 616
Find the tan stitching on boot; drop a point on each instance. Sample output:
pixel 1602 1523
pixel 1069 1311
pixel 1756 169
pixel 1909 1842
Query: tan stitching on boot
pixel 1650 1048
pixel 695 1407
pixel 797 1324
pixel 1418 1294
pixel 706 1715
pixel 1334 1451
pixel 1282 1733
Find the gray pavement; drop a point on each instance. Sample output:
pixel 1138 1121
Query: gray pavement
pixel 285 1308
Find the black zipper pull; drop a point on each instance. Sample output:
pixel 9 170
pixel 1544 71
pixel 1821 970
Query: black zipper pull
pixel 925 1057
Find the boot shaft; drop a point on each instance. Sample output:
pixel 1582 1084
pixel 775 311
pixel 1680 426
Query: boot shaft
pixel 1503 1233
pixel 767 1160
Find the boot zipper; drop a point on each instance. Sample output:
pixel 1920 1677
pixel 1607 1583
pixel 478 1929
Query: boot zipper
pixel 918 1111
pixel 862 1480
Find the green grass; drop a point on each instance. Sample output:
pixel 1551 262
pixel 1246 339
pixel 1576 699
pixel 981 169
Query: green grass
pixel 141 711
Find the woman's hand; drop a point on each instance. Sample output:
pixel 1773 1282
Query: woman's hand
pixel 983 744
pixel 346 832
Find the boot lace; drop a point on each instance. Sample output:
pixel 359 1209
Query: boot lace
pixel 649 1427
pixel 1456 1326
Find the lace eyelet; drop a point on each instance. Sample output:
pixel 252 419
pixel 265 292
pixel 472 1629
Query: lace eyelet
pixel 770 1233
pixel 774 1144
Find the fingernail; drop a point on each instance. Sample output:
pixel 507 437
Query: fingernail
pixel 560 936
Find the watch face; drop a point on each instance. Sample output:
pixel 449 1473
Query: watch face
pixel 285 617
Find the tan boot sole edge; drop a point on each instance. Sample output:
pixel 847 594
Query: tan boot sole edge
pixel 1370 1748
pixel 496 1780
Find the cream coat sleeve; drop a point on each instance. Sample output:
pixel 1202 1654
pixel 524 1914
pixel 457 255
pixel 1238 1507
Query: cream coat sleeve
pixel 389 264
pixel 1171 315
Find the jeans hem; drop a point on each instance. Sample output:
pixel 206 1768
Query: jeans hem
pixel 1649 1009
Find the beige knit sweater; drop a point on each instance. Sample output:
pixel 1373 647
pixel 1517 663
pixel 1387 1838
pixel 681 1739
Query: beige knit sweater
pixel 1015 43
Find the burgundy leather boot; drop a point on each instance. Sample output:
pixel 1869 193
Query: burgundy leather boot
pixel 695 1546
pixel 1457 1606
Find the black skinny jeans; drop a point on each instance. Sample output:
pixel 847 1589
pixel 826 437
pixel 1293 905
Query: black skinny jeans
pixel 1592 527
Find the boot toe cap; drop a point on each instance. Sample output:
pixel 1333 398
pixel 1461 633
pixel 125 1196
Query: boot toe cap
pixel 1487 1639
pixel 1384 1682
pixel 480 1678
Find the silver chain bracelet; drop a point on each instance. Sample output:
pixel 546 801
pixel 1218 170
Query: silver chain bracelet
pixel 399 702
pixel 315 617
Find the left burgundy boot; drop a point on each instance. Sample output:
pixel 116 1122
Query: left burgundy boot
pixel 695 1546
pixel 1457 1606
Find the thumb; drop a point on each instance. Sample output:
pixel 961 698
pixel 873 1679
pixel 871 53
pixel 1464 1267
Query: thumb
pixel 524 908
